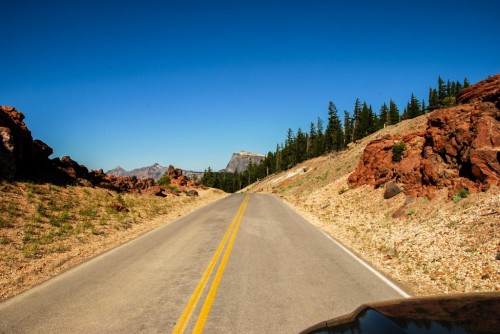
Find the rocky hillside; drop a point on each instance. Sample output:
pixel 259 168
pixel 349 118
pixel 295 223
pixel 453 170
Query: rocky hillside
pixel 23 158
pixel 459 149
pixel 397 213
pixel 240 161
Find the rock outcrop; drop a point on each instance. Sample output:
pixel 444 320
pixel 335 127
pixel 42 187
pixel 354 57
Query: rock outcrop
pixel 460 149
pixel 240 161
pixel 22 158
pixel 177 179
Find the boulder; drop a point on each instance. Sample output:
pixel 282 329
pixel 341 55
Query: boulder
pixel 391 190
pixel 192 193
pixel 155 191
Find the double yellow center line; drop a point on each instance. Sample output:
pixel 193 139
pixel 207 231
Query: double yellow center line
pixel 193 300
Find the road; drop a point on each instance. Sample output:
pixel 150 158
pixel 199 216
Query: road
pixel 244 264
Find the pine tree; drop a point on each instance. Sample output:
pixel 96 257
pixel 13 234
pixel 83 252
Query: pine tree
pixel 357 118
pixel 279 158
pixel 393 113
pixel 330 127
pixel 466 83
pixel 334 135
pixel 289 154
pixel 433 100
pixel 384 116
pixel 348 127
pixel 441 91
pixel 301 146
pixel 318 143
pixel 413 108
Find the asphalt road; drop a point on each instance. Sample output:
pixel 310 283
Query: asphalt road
pixel 244 264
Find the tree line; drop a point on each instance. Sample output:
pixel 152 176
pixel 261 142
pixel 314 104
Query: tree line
pixel 335 135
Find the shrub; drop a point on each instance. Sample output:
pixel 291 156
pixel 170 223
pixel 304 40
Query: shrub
pixel 461 194
pixel 164 180
pixel 397 151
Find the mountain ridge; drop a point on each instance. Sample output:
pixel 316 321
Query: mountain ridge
pixel 155 171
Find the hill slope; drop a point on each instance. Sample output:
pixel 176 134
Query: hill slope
pixel 427 245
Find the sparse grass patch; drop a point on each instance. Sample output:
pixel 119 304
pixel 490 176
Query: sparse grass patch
pixel 322 177
pixel 460 195
pixel 31 250
pixel 4 240
pixel 5 223
pixel 343 190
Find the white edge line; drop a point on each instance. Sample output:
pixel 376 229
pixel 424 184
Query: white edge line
pixel 367 266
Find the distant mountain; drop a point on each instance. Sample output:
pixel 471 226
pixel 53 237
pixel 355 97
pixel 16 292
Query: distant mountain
pixel 118 171
pixel 240 161
pixel 155 171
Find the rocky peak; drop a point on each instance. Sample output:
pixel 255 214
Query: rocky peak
pixel 240 161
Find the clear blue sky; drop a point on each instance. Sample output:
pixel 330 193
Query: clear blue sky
pixel 188 83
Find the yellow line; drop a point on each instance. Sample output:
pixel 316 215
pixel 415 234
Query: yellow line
pixel 193 300
pixel 202 318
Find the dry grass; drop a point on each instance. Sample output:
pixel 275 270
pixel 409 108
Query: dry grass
pixel 45 229
pixel 436 246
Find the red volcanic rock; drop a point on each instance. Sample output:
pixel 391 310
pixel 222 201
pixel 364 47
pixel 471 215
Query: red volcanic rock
pixel 179 180
pixel 21 157
pixel 16 143
pixel 156 191
pixel 459 149
pixel 71 167
pixel 487 90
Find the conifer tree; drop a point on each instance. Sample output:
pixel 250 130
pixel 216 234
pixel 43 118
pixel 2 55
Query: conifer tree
pixel 393 113
pixel 334 135
pixel 384 116
pixel 433 100
pixel 333 119
pixel 413 109
pixel 300 146
pixel 466 83
pixel 318 143
pixel 357 119
pixel 441 91
pixel 348 127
